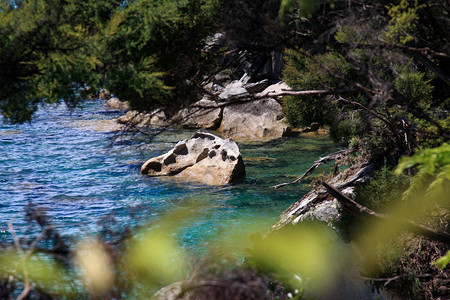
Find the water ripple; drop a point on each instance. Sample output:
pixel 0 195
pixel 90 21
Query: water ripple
pixel 61 163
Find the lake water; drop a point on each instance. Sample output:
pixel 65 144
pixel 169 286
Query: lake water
pixel 71 163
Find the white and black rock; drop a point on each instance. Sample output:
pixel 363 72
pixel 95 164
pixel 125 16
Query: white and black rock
pixel 204 158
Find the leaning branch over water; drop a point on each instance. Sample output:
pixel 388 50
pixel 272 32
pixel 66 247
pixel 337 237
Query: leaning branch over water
pixel 357 209
pixel 317 163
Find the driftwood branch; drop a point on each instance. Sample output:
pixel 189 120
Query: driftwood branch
pixel 273 94
pixel 390 279
pixel 23 261
pixel 357 209
pixel 239 99
pixel 317 163
pixel 24 257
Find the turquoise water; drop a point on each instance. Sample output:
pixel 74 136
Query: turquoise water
pixel 71 163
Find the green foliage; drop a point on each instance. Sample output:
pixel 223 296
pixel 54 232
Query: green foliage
pixel 47 52
pixel 306 7
pixel 346 35
pixel 156 50
pixel 414 86
pixel 302 257
pixel 419 91
pixel 346 126
pixel 45 272
pixel 395 107
pixel 442 262
pixel 302 72
pixel 383 190
pixel 433 171
pixel 403 21
pixel 394 259
pixel 141 50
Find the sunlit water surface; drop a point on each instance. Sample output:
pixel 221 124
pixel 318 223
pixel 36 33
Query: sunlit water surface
pixel 79 169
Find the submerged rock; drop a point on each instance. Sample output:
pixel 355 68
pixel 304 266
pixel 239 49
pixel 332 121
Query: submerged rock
pixel 141 119
pixel 97 125
pixel 204 158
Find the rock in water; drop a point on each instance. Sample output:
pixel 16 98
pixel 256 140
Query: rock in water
pixel 104 94
pixel 256 120
pixel 202 114
pixel 142 119
pixel 204 158
pixel 115 103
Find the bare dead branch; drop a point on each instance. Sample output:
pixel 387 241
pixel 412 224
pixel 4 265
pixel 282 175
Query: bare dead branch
pixel 433 67
pixel 422 50
pixel 357 209
pixel 273 94
pixel 35 242
pixel 317 163
pixel 14 235
pixel 23 258
pixel 390 279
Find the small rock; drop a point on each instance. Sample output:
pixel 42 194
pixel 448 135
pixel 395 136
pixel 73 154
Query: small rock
pixel 115 103
pixel 217 88
pixel 312 128
pixel 222 79
pixel 104 94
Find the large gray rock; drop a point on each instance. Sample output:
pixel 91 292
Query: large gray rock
pixel 256 120
pixel 202 114
pixel 115 103
pixel 141 119
pixel 234 90
pixel 203 158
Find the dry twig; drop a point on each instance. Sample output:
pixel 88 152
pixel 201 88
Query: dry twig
pixel 317 163
pixel 357 209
